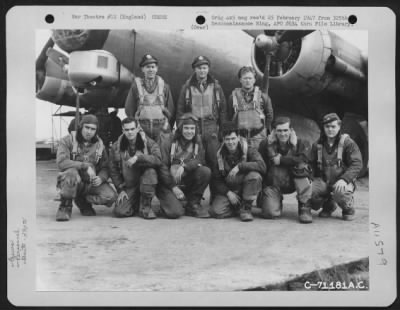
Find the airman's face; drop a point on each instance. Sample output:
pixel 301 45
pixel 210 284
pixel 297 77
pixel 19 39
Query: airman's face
pixel 130 130
pixel 231 141
pixel 201 71
pixel 332 129
pixel 283 132
pixel 247 80
pixel 150 71
pixel 88 131
pixel 188 131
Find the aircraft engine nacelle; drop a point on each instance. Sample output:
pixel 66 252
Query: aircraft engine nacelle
pixel 97 68
pixel 320 61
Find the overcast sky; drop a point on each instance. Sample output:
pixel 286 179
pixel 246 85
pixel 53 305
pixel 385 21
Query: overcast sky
pixel 48 126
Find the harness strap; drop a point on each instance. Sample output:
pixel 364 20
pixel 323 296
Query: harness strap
pixel 220 160
pixel 161 85
pixel 235 104
pixel 196 150
pixel 319 156
pixel 245 146
pixel 340 147
pixel 74 145
pixel 139 86
pixel 217 95
pixel 173 150
pixel 99 149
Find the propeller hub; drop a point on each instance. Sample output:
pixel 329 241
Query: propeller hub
pixel 266 43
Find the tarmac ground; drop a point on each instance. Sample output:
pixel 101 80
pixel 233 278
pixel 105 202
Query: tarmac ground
pixel 104 253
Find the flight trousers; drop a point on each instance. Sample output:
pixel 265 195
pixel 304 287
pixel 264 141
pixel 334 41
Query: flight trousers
pixel 247 186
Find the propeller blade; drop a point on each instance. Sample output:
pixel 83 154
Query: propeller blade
pixel 254 33
pixel 291 35
pixel 266 72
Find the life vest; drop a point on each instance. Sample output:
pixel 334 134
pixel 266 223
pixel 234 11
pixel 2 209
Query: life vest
pixel 150 104
pixel 202 104
pixel 331 165
pixel 150 111
pixel 183 155
pixel 75 149
pixel 220 160
pixel 249 114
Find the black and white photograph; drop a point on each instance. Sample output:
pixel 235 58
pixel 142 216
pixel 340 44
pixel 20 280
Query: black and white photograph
pixel 226 160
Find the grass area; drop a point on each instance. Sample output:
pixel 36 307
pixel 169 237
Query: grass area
pixel 352 276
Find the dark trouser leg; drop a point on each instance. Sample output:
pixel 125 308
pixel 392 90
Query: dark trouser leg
pixel 252 183
pixel 170 205
pixel 271 202
pixel 304 191
pixel 67 182
pixel 102 195
pixel 148 184
pixel 129 206
pixel 197 182
pixel 320 193
pixel 221 207
pixel 211 144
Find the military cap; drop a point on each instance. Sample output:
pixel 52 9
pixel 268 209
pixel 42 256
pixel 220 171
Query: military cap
pixel 330 117
pixel 280 120
pixel 200 60
pixel 148 59
pixel 89 119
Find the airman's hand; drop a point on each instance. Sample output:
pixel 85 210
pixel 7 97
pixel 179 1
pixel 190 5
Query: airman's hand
pixel 340 186
pixel 131 161
pixel 96 181
pixel 233 198
pixel 178 193
pixel 232 174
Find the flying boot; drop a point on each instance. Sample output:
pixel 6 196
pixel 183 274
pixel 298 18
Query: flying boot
pixel 348 211
pixel 145 209
pixel 194 208
pixel 84 206
pixel 245 211
pixel 305 215
pixel 64 210
pixel 328 208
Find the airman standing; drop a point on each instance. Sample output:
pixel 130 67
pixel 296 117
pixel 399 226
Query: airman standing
pixel 150 101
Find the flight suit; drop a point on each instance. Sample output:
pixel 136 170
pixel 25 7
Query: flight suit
pixel 75 161
pixel 292 174
pixel 342 160
pixel 152 105
pixel 247 183
pixel 208 104
pixel 253 113
pixel 196 176
pixel 141 180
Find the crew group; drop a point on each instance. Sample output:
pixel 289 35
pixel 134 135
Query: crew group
pixel 234 147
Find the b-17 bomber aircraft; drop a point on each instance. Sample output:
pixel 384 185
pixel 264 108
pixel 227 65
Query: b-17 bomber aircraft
pixel 306 73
